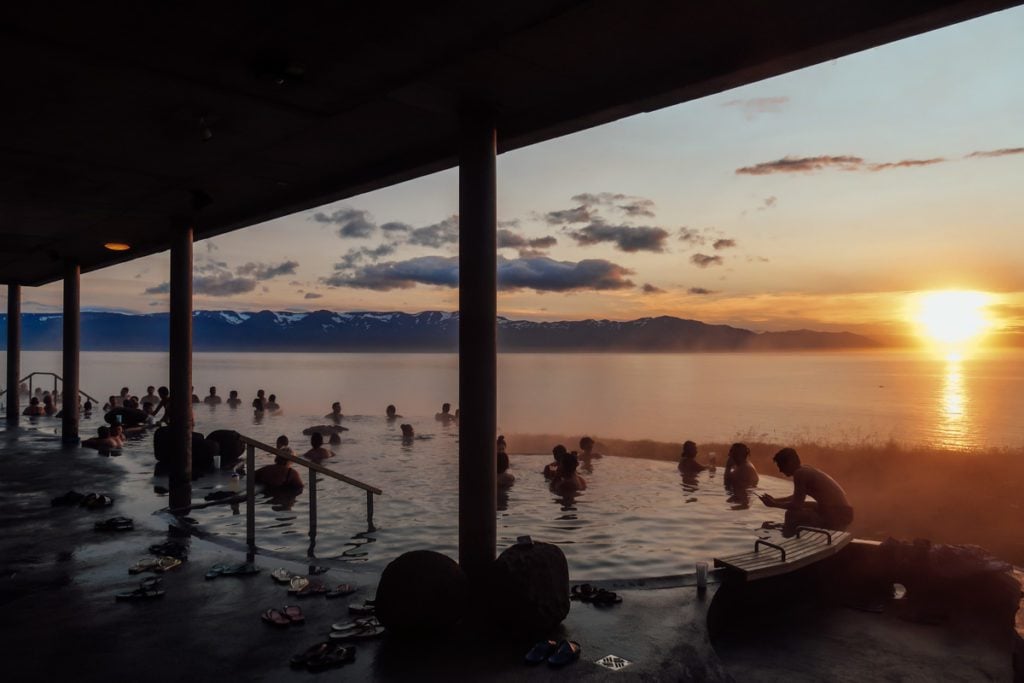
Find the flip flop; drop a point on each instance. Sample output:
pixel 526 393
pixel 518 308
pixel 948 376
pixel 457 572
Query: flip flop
pixel 281 575
pixel 335 655
pixel 568 651
pixel 294 614
pixel 299 661
pixel 148 590
pixel 144 565
pixel 166 564
pixel 314 587
pixel 582 592
pixel 541 651
pixel 355 625
pixel 341 591
pixel 69 498
pixel 244 569
pixel 115 524
pixel 170 549
pixel 216 570
pixel 275 618
pixel 605 598
pixel 297 583
pixel 96 502
pixel 366 632
pixel 362 610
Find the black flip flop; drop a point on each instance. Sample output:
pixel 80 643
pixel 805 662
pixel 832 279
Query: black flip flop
pixel 568 651
pixel 541 651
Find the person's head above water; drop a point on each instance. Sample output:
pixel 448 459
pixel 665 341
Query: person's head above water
pixel 446 407
pixel 164 392
pixel 568 463
pixel 260 393
pixel 689 449
pixel 233 394
pixel 502 446
pixel 282 441
pixel 334 439
pixel 559 452
pixel 150 390
pixel 407 431
pixel 336 407
pixel 390 411
pixel 586 444
pixel 739 453
pixel 273 398
pixel 213 391
pixel 787 461
pixel 124 391
pixel 317 439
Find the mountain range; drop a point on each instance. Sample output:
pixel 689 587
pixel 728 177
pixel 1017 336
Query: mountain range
pixel 426 331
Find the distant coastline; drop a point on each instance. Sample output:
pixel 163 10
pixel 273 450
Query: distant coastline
pixel 429 331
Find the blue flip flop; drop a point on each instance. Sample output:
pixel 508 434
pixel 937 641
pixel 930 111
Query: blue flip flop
pixel 541 651
pixel 568 651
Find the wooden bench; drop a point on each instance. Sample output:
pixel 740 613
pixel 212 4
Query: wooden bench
pixel 770 558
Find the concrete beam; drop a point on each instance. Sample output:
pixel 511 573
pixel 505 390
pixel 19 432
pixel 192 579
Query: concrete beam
pixel 70 350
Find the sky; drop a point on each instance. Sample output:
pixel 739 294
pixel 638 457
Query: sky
pixel 822 199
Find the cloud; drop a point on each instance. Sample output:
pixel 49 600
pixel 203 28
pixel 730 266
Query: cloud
pixel 579 214
pixel 222 284
pixel 1006 151
pixel 265 271
pixel 648 288
pixel 355 256
pixel 539 273
pixel 906 163
pixel 802 165
pixel 510 223
pixel 700 291
pixel 351 222
pixel 211 247
pixel 436 235
pixel 703 260
pixel 599 198
pixel 511 240
pixel 758 105
pixel 395 226
pixel 156 303
pixel 313 295
pixel 724 244
pixel 691 236
pixel 638 207
pixel 162 288
pixel 625 237
pixel 209 265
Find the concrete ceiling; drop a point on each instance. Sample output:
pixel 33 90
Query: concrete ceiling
pixel 123 120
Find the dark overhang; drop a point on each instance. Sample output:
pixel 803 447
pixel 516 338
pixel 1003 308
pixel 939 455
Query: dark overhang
pixel 119 124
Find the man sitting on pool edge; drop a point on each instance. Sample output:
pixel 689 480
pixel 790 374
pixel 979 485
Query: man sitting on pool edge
pixel 829 510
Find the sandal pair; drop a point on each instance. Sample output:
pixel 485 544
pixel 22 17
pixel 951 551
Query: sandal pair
pixel 288 615
pixel 324 656
pixel 155 564
pixel 357 630
pixel 555 654
pixel 148 589
pixel 115 524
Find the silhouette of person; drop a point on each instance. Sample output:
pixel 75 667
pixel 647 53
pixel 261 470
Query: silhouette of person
pixel 830 508
pixel 688 459
pixel 740 473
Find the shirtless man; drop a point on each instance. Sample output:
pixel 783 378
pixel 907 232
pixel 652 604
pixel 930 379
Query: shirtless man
pixel 739 471
pixel 103 440
pixel 559 452
pixel 688 459
pixel 566 480
pixel 830 509
pixel 151 398
pixel 445 415
pixel 213 399
pixel 317 453
pixel 233 400
pixel 335 414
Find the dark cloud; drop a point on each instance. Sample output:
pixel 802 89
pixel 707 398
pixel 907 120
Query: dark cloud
pixel 703 260
pixel 394 226
pixel 625 237
pixel 351 222
pixel 700 291
pixel 579 214
pixel 209 265
pixel 758 105
pixel 355 256
pixel 724 244
pixel 222 284
pixel 510 223
pixel 266 271
pixel 638 207
pixel 599 198
pixel 511 240
pixel 1006 151
pixel 162 288
pixel 543 242
pixel 648 288
pixel 539 273
pixel 691 236
pixel 803 165
pixel 906 163
pixel 313 295
pixel 436 235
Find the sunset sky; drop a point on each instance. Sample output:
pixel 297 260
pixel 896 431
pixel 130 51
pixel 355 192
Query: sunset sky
pixel 818 199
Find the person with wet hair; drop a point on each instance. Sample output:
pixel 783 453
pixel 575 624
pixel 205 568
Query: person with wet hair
pixel 150 398
pixel 740 473
pixel 551 469
pixel 272 405
pixel 502 445
pixel 445 415
pixel 688 459
pixel 829 508
pixel 317 453
pixel 335 414
pixel 505 478
pixel 212 399
pixel 334 439
pixel 566 480
pixel 280 475
pixel 233 400
pixel 408 434
pixel 391 413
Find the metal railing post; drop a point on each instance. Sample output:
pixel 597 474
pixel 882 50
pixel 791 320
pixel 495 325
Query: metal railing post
pixel 369 509
pixel 312 511
pixel 250 496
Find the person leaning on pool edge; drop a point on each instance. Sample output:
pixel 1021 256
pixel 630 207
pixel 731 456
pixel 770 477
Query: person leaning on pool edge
pixel 830 509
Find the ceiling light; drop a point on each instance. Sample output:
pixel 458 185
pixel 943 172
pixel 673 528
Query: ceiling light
pixel 117 246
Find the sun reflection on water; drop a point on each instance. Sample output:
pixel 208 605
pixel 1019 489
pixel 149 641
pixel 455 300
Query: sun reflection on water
pixel 954 403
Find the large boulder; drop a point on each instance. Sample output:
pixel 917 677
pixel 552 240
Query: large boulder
pixel 530 587
pixel 421 591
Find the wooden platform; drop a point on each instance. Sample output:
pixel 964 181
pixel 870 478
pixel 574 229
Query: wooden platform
pixel 774 556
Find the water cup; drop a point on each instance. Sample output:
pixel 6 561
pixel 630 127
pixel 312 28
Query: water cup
pixel 216 462
pixel 702 576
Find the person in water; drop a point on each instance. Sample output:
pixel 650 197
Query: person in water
pixel 233 400
pixel 33 409
pixel 688 459
pixel 272 406
pixel 150 398
pixel 282 445
pixel 212 399
pixel 257 406
pixel 103 440
pixel 335 413
pixel 830 508
pixel 505 478
pixel 407 433
pixel 501 445
pixel 390 412
pixel 280 475
pixel 334 439
pixel 317 453
pixel 740 473
pixel 566 480
pixel 551 469
pixel 445 415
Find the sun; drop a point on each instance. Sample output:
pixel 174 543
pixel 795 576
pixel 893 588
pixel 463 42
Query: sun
pixel 952 317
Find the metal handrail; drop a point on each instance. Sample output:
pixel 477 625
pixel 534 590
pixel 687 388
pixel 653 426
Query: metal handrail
pixel 55 376
pixel 250 489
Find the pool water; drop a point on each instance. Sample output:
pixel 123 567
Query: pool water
pixel 636 519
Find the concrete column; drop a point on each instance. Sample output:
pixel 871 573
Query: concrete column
pixel 71 323
pixel 477 342
pixel 13 353
pixel 180 382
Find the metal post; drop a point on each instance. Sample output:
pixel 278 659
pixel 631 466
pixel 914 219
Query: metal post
pixel 72 327
pixel 250 497
pixel 477 341
pixel 312 511
pixel 369 511
pixel 180 382
pixel 13 353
